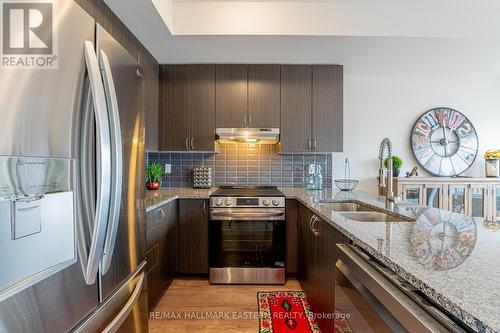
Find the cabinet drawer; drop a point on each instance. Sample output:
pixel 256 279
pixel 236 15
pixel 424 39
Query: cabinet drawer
pixel 152 237
pixel 153 277
pixel 152 257
pixel 152 219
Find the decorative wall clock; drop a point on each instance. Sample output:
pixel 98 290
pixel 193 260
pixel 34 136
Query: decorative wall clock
pixel 444 142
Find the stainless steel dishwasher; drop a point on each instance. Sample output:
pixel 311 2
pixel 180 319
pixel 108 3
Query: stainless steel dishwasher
pixel 377 300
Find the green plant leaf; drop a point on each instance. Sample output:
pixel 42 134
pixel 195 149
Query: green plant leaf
pixel 397 162
pixel 154 172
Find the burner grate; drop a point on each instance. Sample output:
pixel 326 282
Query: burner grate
pixel 248 191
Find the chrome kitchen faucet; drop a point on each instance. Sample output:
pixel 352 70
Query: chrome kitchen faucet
pixel 385 174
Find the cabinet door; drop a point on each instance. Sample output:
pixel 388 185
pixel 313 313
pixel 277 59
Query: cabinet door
pixel 413 194
pixel 168 244
pixel 496 203
pixel 231 96
pixel 292 230
pixel 264 96
pixel 193 236
pixel 306 244
pixel 433 196
pixel 150 99
pixel 202 107
pixel 327 108
pixel 457 199
pixel 477 200
pixel 174 108
pixel 152 278
pixel 324 273
pixel 296 97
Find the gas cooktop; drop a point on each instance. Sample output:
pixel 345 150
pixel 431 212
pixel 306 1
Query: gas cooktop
pixel 247 191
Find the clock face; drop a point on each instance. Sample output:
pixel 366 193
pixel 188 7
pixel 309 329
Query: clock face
pixel 444 142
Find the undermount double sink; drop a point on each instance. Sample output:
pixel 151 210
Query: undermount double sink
pixel 357 212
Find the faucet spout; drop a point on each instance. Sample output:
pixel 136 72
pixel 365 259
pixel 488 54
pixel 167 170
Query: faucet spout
pixel 385 145
pixel 385 174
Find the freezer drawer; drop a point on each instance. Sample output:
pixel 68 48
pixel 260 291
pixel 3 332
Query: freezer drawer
pixel 126 310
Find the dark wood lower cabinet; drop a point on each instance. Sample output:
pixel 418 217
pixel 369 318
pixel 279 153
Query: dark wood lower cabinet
pixel 193 236
pixel 161 250
pixel 168 244
pixel 291 236
pixel 316 264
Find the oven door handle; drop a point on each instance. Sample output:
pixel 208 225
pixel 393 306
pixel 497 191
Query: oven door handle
pixel 247 215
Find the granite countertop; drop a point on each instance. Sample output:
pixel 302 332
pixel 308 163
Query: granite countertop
pixel 460 271
pixel 154 199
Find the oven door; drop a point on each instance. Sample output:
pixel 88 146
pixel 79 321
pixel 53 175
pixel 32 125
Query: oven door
pixel 247 245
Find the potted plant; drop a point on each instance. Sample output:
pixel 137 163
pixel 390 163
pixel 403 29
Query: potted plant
pixel 397 163
pixel 154 172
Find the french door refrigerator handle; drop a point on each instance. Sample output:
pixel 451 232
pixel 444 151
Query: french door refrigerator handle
pixel 116 162
pixel 103 167
pixel 127 308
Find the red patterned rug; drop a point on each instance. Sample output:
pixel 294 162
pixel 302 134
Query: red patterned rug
pixel 284 312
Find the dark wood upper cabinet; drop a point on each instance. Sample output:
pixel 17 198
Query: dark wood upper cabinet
pixel 231 96
pixel 327 108
pixel 150 71
pixel 174 108
pixel 264 96
pixel 193 236
pixel 311 108
pixel 187 107
pixel 296 94
pixel 305 101
pixel 202 107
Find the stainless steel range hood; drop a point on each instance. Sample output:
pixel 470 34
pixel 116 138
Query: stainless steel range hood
pixel 248 135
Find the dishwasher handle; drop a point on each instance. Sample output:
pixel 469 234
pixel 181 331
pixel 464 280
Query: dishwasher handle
pixel 411 310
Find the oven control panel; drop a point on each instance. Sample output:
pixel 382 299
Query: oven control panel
pixel 220 202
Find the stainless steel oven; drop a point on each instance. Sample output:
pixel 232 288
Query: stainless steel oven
pixel 247 239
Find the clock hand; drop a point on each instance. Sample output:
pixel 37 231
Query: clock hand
pixel 446 142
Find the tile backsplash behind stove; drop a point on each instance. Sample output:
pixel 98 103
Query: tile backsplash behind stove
pixel 243 164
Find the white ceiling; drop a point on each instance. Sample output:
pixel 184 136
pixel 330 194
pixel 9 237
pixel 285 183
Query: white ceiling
pixel 378 37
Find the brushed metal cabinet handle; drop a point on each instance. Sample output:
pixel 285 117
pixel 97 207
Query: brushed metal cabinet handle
pixel 192 143
pixel 309 144
pixel 314 144
pixel 315 231
pixel 310 222
pixel 187 143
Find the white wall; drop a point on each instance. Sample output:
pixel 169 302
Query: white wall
pixel 387 106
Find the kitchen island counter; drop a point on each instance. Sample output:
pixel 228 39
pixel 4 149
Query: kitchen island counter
pixel 452 258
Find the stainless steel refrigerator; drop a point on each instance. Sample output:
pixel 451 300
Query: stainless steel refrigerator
pixel 71 186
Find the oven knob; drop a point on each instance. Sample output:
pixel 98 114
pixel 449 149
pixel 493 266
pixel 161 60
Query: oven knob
pixel 219 202
pixel 276 202
pixel 228 203
pixel 265 202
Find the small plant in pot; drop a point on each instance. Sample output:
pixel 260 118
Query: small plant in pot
pixel 154 172
pixel 397 163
